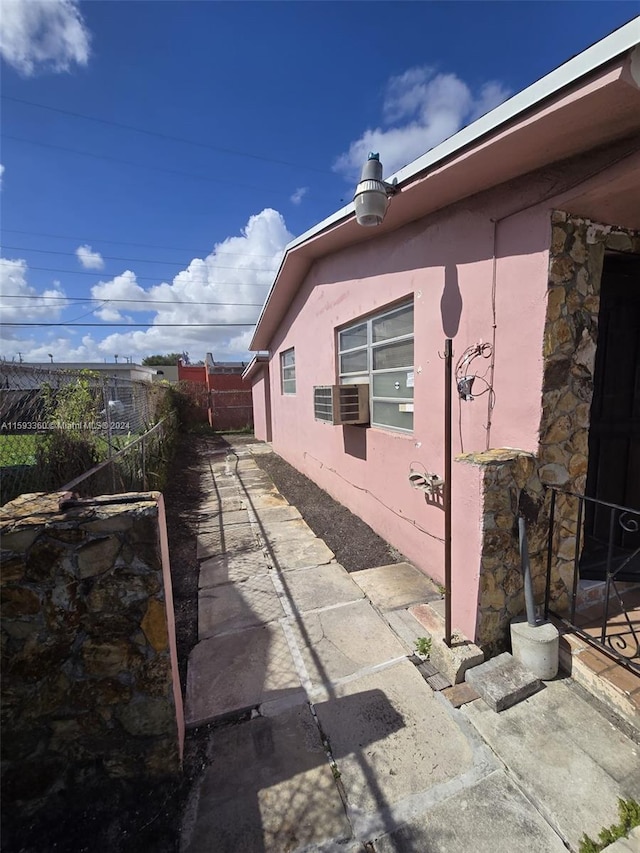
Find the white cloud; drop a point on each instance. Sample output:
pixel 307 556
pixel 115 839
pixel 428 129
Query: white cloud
pixel 47 35
pixel 420 110
pixel 19 302
pixel 110 315
pixel 89 259
pixel 238 270
pixel 1 174
pixel 299 194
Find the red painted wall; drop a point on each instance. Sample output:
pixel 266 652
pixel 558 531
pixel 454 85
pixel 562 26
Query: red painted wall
pixel 192 373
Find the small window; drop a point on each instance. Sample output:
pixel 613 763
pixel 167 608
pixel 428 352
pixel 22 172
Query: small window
pixel 288 371
pixel 379 351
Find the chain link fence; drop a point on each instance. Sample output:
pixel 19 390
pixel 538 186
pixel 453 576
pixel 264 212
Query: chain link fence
pixel 56 425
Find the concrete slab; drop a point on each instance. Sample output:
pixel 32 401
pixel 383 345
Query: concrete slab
pixel 224 491
pixel 570 760
pixel 337 643
pixel 254 477
pixel 453 661
pixel 238 537
pixel 231 568
pixel 213 506
pixel 503 681
pixel 266 500
pixel 223 517
pixel 391 739
pixel 295 530
pixel 322 586
pixel 631 844
pixel 230 674
pixel 248 484
pixel 298 554
pixel 259 449
pixel 267 787
pixel 397 585
pixel 406 627
pixel 234 606
pixel 270 515
pixel 491 816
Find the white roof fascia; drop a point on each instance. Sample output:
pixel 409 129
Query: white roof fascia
pixel 623 39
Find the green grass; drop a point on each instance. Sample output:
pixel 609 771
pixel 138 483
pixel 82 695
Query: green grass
pixel 629 813
pixel 18 449
pixel 21 449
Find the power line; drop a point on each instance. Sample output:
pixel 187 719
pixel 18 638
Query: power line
pixel 149 277
pixel 141 325
pixel 179 172
pixel 88 299
pixel 135 260
pixel 167 136
pixel 124 243
pixel 86 313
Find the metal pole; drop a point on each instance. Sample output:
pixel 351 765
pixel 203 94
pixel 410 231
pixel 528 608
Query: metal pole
pixel 107 413
pixel 525 565
pixel 448 362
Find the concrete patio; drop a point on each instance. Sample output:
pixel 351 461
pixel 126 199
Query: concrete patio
pixel 326 735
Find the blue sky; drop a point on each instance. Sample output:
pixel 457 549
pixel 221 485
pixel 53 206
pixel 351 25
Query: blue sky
pixel 223 130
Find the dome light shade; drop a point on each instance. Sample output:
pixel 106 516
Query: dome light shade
pixel 371 197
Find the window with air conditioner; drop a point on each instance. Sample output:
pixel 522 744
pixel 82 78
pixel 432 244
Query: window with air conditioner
pixel 288 371
pixel 378 351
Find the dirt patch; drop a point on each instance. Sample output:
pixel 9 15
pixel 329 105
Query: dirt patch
pixel 182 497
pixel 354 543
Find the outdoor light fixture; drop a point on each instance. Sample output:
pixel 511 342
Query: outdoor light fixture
pixel 372 193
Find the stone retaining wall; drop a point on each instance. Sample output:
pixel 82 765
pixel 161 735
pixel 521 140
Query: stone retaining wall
pixel 89 668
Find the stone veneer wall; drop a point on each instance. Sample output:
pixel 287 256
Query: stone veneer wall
pixel 514 481
pixel 571 332
pixel 88 648
pixel 510 485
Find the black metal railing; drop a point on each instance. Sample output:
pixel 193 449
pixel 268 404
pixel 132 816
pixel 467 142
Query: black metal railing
pixel 607 548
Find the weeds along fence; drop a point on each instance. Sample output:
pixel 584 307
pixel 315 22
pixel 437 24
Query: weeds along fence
pixel 57 425
pixel 139 466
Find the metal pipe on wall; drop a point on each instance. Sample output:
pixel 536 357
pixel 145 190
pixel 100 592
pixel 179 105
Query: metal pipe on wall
pixel 448 372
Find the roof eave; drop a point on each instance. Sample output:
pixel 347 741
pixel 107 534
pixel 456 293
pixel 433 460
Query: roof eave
pixel 483 132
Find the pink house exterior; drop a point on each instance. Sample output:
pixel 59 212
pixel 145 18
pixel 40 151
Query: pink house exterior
pixel 497 239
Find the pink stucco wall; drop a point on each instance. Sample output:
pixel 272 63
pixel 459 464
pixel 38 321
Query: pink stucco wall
pixel 261 403
pixel 446 263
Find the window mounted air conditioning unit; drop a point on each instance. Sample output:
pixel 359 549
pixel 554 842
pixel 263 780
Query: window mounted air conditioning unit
pixel 341 404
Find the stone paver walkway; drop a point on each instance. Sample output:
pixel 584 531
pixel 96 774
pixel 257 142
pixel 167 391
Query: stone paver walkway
pixel 343 745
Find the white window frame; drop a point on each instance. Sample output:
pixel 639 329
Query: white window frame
pixel 288 372
pixel 368 375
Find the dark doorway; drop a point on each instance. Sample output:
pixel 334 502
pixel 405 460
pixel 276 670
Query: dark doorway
pixel 613 475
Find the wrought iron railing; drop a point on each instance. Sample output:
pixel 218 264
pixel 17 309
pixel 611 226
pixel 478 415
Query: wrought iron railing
pixel 607 547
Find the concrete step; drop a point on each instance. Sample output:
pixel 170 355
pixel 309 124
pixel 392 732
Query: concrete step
pixel 502 682
pixel 617 687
